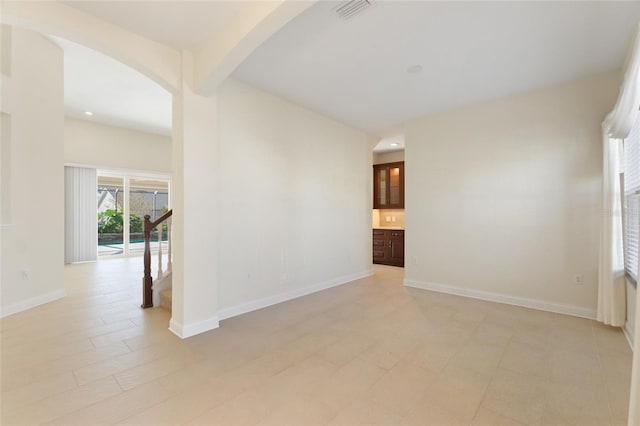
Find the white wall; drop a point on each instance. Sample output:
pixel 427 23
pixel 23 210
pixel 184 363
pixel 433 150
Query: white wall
pixel 630 324
pixel 33 242
pixel 103 146
pixel 504 197
pixel 388 157
pixel 294 197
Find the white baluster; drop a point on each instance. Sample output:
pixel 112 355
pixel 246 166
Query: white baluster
pixel 169 262
pixel 159 252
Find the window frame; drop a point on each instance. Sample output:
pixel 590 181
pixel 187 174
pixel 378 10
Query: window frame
pixel 624 195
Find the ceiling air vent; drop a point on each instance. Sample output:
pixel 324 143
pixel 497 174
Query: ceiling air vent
pixel 349 9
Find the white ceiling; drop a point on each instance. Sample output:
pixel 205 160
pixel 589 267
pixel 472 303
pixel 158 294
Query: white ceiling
pixel 388 144
pixel 115 94
pixel 179 24
pixel 356 70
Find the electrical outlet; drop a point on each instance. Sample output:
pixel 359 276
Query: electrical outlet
pixel 577 279
pixel 388 218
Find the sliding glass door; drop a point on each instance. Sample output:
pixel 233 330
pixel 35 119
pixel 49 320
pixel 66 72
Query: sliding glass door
pixel 110 215
pixel 123 201
pixel 146 197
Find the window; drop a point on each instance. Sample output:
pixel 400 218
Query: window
pixel 632 201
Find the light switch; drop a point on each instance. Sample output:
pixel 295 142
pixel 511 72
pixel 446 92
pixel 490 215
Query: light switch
pixel 388 218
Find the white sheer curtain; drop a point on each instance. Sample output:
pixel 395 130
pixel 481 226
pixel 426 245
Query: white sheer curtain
pixel 612 283
pixel 80 215
pixel 611 298
pixel 617 125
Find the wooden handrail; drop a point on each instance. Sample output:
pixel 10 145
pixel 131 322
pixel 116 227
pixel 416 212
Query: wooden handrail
pixel 159 220
pixel 147 280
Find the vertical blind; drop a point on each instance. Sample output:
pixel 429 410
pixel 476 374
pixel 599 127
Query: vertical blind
pixel 632 200
pixel 80 215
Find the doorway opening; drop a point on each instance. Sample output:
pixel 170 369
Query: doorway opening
pixel 388 215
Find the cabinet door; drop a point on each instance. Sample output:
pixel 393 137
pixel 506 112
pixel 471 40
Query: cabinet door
pixel 388 186
pixel 396 248
pixel 380 187
pixel 396 185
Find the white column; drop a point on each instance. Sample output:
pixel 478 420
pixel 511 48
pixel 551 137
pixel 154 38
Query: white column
pixel 194 188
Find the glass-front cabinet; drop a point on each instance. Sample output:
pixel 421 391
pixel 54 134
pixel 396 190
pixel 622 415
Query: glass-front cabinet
pixel 388 186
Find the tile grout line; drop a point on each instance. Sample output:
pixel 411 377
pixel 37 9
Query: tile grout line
pixel 602 372
pixel 484 393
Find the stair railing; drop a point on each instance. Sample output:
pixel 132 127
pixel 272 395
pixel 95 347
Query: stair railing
pixel 147 280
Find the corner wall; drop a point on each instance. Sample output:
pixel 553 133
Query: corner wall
pixel 503 198
pixel 294 197
pixel 32 246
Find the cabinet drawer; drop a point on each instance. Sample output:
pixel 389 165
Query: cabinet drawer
pixel 378 233
pixel 396 234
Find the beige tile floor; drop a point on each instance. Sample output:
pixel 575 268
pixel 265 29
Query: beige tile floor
pixel 369 352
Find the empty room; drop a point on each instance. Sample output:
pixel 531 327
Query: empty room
pixel 302 212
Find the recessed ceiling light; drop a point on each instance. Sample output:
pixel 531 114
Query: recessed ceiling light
pixel 394 144
pixel 414 69
pixel 88 113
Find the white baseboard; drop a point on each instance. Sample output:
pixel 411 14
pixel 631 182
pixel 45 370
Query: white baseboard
pixel 628 333
pixel 33 302
pixel 184 331
pixel 293 294
pixel 576 311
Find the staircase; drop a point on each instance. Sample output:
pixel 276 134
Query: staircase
pixel 157 292
pixel 162 292
pixel 165 299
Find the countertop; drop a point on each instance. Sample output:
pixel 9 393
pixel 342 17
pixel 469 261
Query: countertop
pixel 390 228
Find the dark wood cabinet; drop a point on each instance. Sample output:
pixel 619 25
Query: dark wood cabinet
pixel 388 247
pixel 379 246
pixel 388 186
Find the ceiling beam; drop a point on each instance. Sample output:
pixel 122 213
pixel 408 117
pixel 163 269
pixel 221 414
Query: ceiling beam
pixel 255 24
